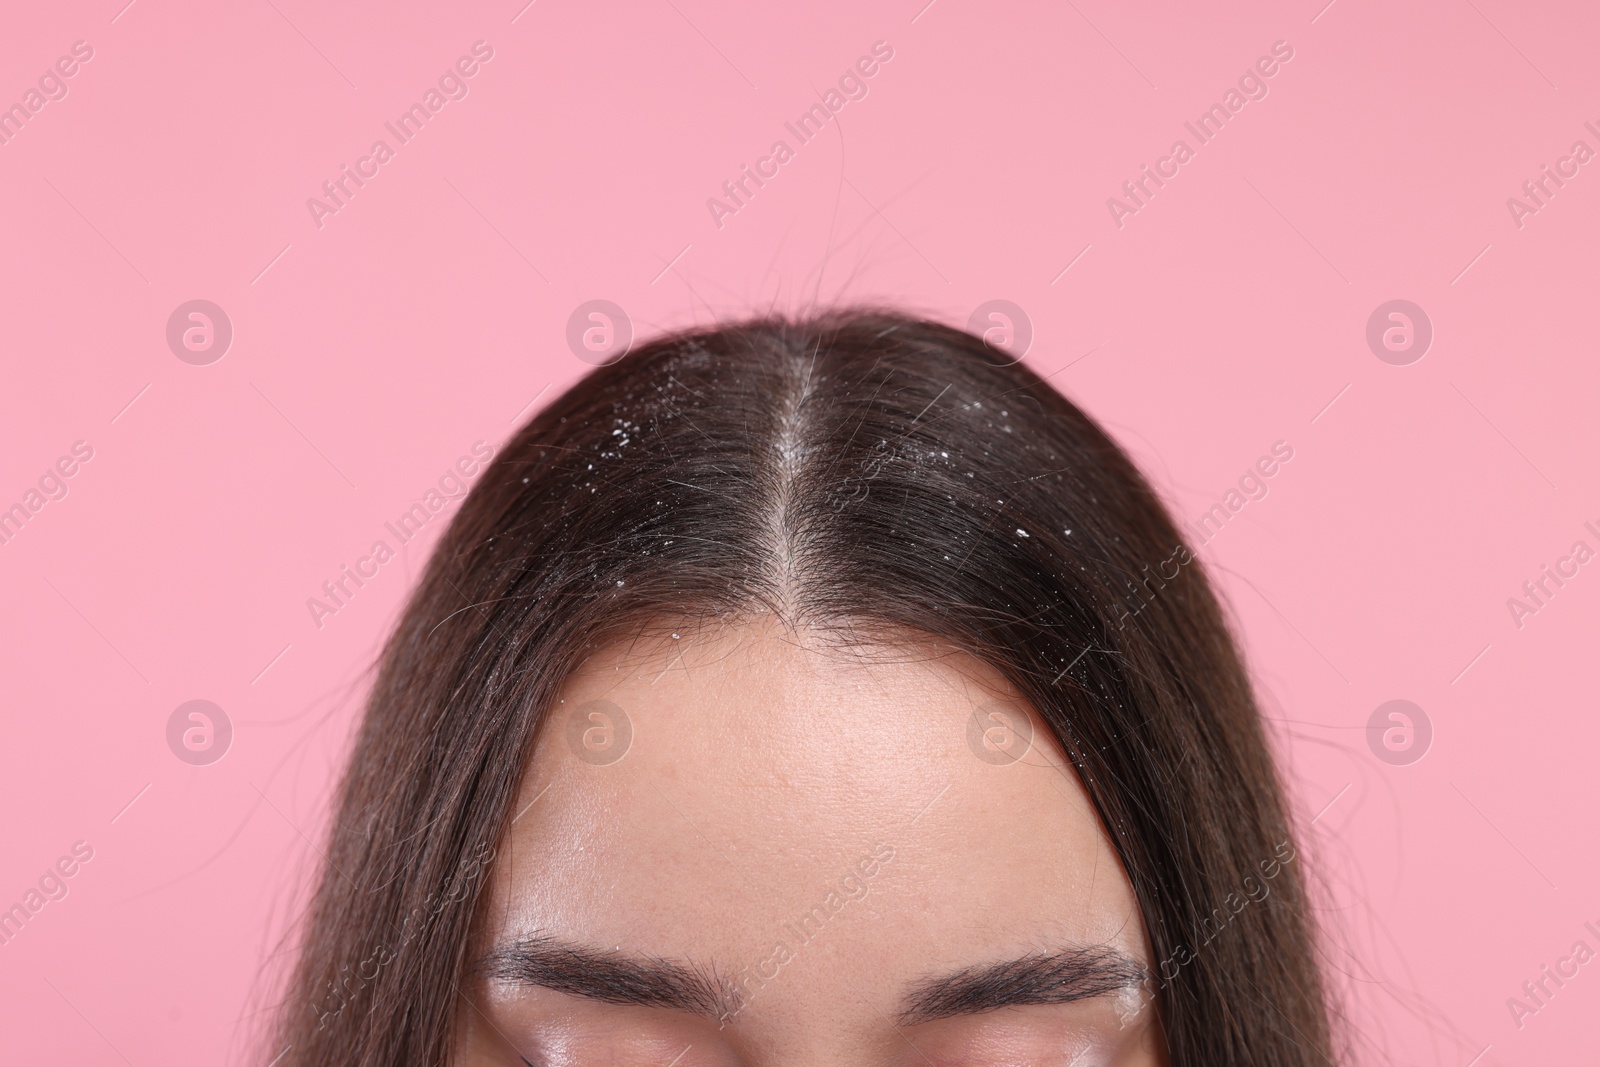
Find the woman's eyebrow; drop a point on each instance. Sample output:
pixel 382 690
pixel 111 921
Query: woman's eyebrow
pixel 1044 978
pixel 614 978
pixel 609 976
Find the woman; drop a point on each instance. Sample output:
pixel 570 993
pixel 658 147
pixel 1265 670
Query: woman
pixel 810 692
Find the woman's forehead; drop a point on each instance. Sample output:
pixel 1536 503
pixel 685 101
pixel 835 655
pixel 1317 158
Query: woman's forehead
pixel 718 782
pixel 796 726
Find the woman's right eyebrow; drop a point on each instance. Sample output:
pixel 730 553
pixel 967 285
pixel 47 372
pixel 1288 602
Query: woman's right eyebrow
pixel 610 976
pixel 1061 977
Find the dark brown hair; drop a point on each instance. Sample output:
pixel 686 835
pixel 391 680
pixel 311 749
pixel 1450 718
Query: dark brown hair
pixel 852 468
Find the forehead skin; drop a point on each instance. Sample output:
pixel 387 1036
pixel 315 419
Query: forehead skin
pixel 765 774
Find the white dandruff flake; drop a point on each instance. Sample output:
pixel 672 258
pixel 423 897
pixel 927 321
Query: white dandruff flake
pixel 1020 533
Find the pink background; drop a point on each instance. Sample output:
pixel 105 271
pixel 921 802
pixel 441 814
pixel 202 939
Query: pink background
pixel 431 310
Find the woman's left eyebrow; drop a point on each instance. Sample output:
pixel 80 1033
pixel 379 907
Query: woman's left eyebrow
pixel 1078 973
